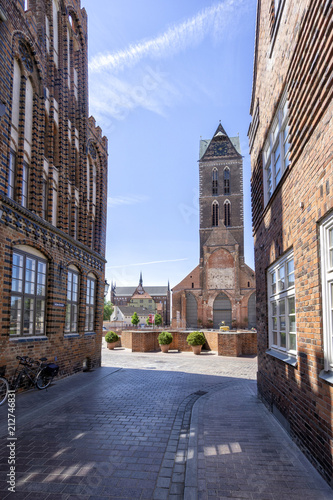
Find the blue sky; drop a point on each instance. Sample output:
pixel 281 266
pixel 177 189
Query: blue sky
pixel 161 75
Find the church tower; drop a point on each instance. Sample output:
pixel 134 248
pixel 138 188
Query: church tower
pixel 220 290
pixel 221 192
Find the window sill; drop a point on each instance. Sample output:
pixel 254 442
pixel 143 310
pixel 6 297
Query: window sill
pixel 89 333
pixel 285 357
pixel 71 335
pixel 326 376
pixel 28 339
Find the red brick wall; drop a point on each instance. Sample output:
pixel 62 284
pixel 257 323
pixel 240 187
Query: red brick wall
pixel 298 61
pixel 26 226
pixel 226 344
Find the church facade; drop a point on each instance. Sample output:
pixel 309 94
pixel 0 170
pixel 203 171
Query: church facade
pixel 221 289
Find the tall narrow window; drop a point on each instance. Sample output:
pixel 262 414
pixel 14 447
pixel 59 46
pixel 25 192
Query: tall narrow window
pixel 55 203
pixel 71 324
pixel 227 219
pixel 25 184
pixel 281 304
pixel 90 304
pixel 276 149
pixel 326 253
pixel 75 221
pixel 215 214
pixel 226 180
pixel 214 181
pixel 11 174
pixel 28 295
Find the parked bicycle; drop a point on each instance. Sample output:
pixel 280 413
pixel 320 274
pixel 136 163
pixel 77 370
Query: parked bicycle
pixel 37 373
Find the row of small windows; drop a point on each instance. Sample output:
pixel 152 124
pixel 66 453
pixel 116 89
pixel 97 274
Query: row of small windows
pixel 227 213
pixel 226 181
pixel 29 296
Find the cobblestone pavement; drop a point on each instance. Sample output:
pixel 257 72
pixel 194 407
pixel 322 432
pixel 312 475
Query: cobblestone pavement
pixel 154 426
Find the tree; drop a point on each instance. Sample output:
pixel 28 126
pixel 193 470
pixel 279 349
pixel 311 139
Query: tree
pixel 158 319
pixel 108 310
pixel 135 319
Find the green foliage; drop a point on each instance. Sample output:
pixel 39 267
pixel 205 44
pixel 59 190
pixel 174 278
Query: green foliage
pixel 196 338
pixel 165 338
pixel 108 310
pixel 148 321
pixel 135 319
pixel 158 319
pixel 111 337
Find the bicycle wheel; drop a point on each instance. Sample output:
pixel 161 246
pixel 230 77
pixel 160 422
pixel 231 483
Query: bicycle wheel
pixel 43 379
pixel 4 388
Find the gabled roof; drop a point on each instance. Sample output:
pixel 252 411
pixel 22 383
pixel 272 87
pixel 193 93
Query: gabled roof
pixel 228 146
pixel 127 291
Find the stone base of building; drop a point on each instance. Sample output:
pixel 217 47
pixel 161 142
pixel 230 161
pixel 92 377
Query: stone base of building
pixel 232 343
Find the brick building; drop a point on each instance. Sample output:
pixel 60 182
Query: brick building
pixel 292 170
pixel 156 299
pixel 53 181
pixel 222 286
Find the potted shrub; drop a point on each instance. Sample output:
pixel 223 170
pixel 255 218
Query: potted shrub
pixel 165 339
pixel 196 340
pixel 111 339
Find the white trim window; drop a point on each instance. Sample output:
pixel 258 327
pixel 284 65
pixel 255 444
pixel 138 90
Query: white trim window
pixel 90 304
pixel 281 305
pixel 28 294
pixel 276 149
pixel 326 254
pixel 71 323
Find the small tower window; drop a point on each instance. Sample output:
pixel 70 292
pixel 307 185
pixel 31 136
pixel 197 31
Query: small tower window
pixel 215 214
pixel 214 182
pixel 227 206
pixel 226 180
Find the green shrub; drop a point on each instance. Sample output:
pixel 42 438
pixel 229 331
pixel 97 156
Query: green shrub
pixel 111 337
pixel 165 338
pixel 196 338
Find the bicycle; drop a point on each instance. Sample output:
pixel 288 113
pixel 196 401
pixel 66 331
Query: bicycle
pixel 40 375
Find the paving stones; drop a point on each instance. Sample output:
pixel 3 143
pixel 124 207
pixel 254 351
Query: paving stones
pixel 154 426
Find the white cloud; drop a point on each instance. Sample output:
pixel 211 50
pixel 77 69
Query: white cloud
pixel 191 32
pixel 125 200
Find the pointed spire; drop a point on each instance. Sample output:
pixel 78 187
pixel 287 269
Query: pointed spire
pixel 140 282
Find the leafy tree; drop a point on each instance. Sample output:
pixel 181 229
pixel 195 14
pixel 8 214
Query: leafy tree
pixel 108 310
pixel 135 319
pixel 158 319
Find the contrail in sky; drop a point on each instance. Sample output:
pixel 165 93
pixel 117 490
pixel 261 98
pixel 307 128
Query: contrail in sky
pixel 146 263
pixel 173 40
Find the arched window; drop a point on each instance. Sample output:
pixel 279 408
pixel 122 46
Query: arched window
pixel 214 181
pixel 28 295
pixel 71 323
pixel 90 303
pixel 227 206
pixel 226 180
pixel 215 214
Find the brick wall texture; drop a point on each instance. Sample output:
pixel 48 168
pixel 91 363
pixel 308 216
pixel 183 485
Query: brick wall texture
pixel 294 53
pixel 65 215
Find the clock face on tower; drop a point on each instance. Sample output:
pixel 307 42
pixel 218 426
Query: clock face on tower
pixel 220 148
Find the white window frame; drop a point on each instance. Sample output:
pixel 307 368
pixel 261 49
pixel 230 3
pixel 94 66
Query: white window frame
pixel 274 165
pixel 280 290
pixel 326 254
pixel 90 304
pixel 72 306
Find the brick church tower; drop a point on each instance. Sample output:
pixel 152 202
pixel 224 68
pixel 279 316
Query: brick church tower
pixel 221 287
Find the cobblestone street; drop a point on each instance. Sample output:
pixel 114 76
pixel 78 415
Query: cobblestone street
pixel 155 426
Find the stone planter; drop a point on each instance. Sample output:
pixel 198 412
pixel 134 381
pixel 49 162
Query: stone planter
pixel 164 347
pixel 196 349
pixel 111 345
